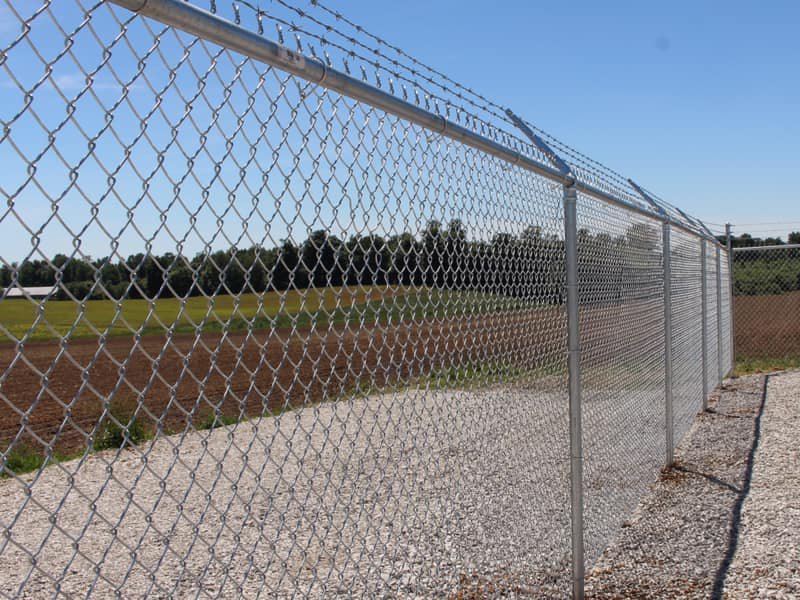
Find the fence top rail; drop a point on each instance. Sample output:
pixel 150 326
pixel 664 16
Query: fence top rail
pixel 771 247
pixel 209 26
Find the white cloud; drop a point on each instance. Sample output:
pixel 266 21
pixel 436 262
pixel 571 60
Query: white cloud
pixel 70 82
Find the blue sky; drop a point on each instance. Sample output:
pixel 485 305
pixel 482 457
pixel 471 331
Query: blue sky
pixel 698 101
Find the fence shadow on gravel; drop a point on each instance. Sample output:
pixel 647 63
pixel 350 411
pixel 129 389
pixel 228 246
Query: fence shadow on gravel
pixel 736 513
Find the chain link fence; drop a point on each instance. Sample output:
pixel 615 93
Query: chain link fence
pixel 622 368
pixel 712 337
pixel 726 308
pixel 766 302
pixel 687 331
pixel 287 312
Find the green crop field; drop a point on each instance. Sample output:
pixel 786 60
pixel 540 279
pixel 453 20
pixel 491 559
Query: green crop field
pixel 58 318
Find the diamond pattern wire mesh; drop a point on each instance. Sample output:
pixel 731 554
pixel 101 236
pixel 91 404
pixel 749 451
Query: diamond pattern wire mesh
pixel 622 363
pixel 726 330
pixel 766 289
pixel 259 338
pixel 340 260
pixel 712 337
pixel 687 327
pixel 326 33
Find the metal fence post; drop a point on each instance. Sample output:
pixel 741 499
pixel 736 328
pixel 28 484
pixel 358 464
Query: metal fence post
pixel 729 245
pixel 704 318
pixel 574 365
pixel 570 198
pixel 667 261
pixel 720 373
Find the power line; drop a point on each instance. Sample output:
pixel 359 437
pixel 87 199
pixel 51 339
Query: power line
pixel 742 224
pixel 783 225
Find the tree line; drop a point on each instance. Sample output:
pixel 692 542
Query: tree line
pixel 745 240
pixel 765 272
pixel 528 264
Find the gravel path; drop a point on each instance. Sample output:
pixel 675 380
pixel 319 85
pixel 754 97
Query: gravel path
pixel 706 530
pixel 674 544
pixel 410 495
pixel 767 560
pixel 460 494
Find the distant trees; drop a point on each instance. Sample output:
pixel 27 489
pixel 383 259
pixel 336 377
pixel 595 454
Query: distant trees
pixel 765 272
pixel 320 259
pixel 529 264
pixel 766 275
pixel 745 240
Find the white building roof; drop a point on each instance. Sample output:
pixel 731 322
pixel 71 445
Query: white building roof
pixel 33 291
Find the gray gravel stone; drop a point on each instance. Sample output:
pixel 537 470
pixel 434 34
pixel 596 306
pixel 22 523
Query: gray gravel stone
pixel 675 543
pixel 460 494
pixel 406 495
pixel 767 560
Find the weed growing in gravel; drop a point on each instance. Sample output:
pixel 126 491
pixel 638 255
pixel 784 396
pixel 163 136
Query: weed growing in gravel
pixel 21 459
pixel 25 458
pixel 122 430
pixel 213 420
pixel 765 365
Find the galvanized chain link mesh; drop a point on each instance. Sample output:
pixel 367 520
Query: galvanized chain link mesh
pixel 687 330
pixel 259 338
pixel 322 32
pixel 766 290
pixel 712 336
pixel 622 362
pixel 726 331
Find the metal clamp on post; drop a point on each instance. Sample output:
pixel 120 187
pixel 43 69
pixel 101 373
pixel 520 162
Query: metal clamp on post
pixel 570 199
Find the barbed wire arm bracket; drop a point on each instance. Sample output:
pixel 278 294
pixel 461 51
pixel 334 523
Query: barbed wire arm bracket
pixel 701 227
pixel 697 223
pixel 649 199
pixel 542 147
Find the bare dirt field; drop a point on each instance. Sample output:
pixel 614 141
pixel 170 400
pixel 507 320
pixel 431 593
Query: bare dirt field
pixel 767 326
pixel 60 391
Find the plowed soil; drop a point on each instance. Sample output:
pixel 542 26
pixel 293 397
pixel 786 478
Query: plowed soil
pixel 767 326
pixel 58 392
